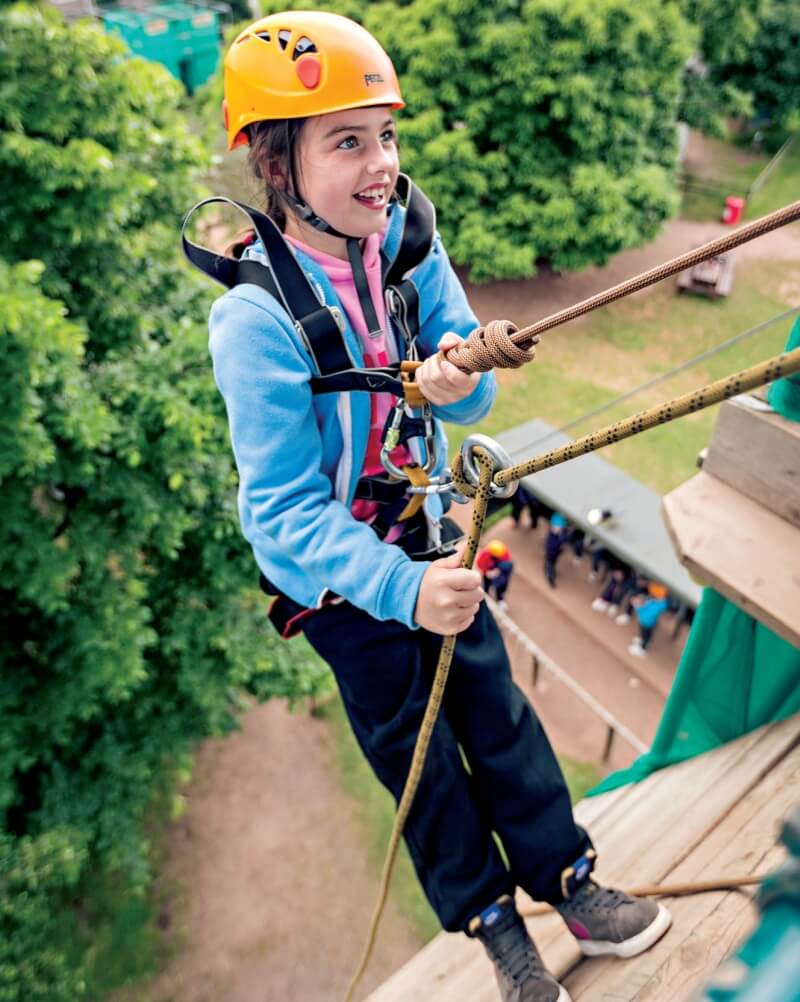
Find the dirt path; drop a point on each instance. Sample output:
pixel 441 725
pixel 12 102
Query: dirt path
pixel 278 894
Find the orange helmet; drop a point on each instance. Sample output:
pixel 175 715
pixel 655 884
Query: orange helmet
pixel 301 63
pixel 497 548
pixel 657 590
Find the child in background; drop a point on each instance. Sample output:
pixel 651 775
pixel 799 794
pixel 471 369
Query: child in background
pixel 649 610
pixel 553 546
pixel 496 565
pixel 313 95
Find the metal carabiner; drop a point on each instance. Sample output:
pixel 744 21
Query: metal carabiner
pixel 392 439
pixel 500 461
pixel 441 484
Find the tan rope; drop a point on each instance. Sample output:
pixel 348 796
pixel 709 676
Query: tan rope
pixel 667 891
pixel 483 351
pixel 500 343
pixel 774 368
pixel 426 728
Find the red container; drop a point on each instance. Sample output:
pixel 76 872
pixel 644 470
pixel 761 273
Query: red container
pixel 732 213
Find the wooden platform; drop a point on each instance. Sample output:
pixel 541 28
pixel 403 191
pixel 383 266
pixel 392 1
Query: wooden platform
pixel 712 816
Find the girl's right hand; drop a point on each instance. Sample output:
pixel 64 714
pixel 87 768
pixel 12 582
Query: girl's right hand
pixel 449 596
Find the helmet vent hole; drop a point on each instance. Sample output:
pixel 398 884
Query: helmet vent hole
pixel 243 38
pixel 264 36
pixel 283 37
pixel 304 45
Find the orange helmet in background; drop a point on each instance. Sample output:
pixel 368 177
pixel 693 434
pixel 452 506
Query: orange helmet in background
pixel 497 548
pixel 657 590
pixel 301 63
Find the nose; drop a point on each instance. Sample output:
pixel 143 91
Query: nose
pixel 382 158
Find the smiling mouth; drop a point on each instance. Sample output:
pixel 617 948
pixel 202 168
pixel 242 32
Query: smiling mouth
pixel 373 197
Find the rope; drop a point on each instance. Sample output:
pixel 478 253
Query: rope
pixel 426 728
pixel 665 376
pixel 501 343
pixel 667 891
pixel 484 349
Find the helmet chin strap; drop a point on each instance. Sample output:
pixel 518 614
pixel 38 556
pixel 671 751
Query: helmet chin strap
pixel 304 212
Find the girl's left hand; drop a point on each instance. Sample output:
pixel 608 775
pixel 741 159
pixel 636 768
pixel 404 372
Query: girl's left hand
pixel 440 381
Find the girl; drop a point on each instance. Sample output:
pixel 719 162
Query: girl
pixel 353 559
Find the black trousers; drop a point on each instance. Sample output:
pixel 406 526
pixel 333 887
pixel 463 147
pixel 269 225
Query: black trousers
pixel 513 784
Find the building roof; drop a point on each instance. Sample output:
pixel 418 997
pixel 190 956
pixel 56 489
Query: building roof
pixel 636 533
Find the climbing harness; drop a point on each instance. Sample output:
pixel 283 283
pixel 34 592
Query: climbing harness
pixel 502 344
pixel 321 329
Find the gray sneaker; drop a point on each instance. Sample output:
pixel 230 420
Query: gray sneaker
pixel 520 973
pixel 607 921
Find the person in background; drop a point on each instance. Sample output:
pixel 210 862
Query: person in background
pixel 635 585
pixel 522 499
pixel 610 597
pixel 553 546
pixel 496 565
pixel 649 610
pixel 576 538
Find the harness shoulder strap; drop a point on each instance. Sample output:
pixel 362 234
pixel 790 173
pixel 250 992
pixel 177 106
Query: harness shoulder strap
pixel 419 227
pixel 321 327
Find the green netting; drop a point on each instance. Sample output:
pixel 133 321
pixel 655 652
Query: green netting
pixel 734 676
pixel 784 395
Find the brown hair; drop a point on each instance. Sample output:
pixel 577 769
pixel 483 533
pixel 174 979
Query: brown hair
pixel 272 144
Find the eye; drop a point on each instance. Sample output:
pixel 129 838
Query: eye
pixel 349 143
pixel 389 136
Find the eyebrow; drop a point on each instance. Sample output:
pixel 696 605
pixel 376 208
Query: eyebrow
pixel 354 128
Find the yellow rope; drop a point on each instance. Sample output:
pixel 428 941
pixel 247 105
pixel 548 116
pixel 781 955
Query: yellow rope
pixel 425 730
pixel 502 344
pixel 757 375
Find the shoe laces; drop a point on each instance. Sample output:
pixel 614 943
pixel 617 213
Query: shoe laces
pixel 592 897
pixel 512 950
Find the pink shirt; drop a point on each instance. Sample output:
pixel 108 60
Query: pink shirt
pixel 374 348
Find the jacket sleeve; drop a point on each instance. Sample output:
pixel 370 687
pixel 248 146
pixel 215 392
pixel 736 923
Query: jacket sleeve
pixel 264 379
pixel 444 307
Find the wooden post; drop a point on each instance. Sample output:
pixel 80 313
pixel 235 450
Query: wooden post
pixel 609 743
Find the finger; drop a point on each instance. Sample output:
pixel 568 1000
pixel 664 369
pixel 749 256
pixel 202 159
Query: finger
pixel 449 340
pixel 455 558
pixel 461 579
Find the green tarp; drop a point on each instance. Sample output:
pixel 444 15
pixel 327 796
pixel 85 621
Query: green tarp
pixel 735 674
pixel 784 395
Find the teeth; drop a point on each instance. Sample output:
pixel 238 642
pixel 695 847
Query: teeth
pixel 373 193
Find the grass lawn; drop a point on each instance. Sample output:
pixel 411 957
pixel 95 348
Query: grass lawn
pixel 375 814
pixel 590 362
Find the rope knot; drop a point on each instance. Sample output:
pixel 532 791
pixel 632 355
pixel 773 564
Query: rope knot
pixel 491 347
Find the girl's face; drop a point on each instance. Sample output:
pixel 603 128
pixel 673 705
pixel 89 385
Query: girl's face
pixel 347 166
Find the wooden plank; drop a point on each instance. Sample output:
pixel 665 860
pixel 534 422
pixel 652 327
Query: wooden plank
pixel 758 454
pixel 647 829
pixel 707 927
pixel 747 553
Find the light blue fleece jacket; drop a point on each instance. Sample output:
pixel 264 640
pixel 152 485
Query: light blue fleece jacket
pixel 299 455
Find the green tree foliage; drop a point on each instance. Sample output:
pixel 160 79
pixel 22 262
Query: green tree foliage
pixel 128 621
pixel 543 129
pixel 747 63
pixel 770 68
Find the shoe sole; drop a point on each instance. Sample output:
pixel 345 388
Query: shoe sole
pixel 633 946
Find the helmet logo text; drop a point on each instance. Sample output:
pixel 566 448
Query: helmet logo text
pixel 372 78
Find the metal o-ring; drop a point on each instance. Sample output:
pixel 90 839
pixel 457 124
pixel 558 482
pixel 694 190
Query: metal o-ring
pixel 500 461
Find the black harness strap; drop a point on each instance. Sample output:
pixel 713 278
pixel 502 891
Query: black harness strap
pixel 322 327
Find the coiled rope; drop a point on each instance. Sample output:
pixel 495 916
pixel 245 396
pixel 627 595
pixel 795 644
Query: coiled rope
pixel 500 344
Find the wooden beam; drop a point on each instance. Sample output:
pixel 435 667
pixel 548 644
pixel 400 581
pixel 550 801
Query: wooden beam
pixel 747 553
pixel 642 833
pixel 758 454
